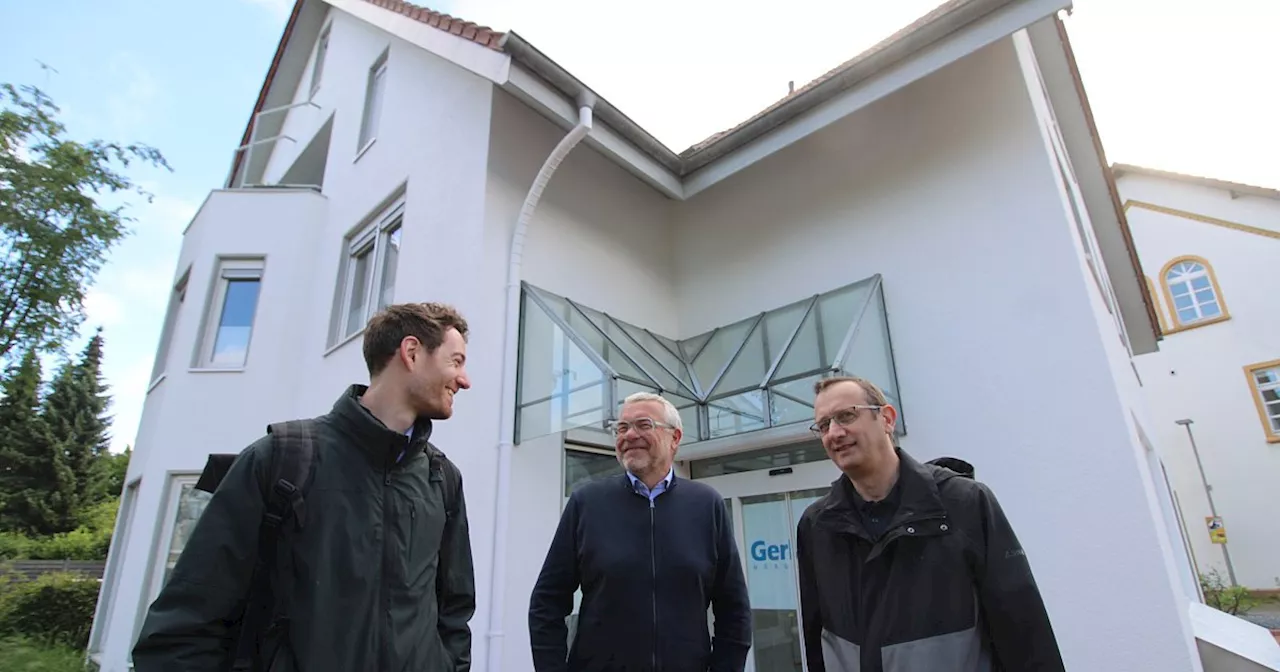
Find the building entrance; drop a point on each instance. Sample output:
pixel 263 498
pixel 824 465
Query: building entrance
pixel 766 505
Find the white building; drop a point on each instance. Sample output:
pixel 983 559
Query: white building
pixel 935 214
pixel 1209 250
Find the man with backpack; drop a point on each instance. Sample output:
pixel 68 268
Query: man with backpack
pixel 340 542
pixel 907 566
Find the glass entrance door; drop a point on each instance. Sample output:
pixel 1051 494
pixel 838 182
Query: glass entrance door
pixel 768 535
pixel 766 504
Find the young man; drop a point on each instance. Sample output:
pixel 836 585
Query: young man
pixel 651 552
pixel 907 566
pixel 378 574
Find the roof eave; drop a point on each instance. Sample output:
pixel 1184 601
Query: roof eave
pixel 1235 188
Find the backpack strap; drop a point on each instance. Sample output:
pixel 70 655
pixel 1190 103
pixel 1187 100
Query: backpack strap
pixel 292 453
pixel 450 478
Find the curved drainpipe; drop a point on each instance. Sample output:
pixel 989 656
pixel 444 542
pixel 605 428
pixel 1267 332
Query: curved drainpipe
pixel 510 355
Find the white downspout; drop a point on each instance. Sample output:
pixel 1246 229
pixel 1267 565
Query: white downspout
pixel 510 354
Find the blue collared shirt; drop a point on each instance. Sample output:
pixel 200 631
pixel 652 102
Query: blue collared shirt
pixel 642 489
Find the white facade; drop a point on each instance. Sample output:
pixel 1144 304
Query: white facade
pixel 1209 251
pixel 960 186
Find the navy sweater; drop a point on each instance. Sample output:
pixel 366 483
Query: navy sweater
pixel 648 572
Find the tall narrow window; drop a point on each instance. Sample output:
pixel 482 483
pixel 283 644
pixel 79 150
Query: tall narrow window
pixel 368 281
pixel 235 302
pixel 1192 292
pixel 1264 381
pixel 170 323
pixel 373 101
pixel 317 67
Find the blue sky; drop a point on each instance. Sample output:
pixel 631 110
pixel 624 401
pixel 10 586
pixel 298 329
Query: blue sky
pixel 180 76
pixel 1177 86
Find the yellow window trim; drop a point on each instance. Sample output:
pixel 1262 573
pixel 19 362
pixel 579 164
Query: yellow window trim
pixel 1178 326
pixel 1249 370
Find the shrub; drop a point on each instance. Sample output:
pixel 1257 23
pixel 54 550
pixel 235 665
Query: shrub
pixel 1235 600
pixel 90 541
pixel 56 609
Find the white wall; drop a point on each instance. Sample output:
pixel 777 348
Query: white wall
pixel 1199 372
pixel 946 189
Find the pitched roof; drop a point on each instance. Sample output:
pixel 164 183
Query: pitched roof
pixel 1234 187
pixel 482 35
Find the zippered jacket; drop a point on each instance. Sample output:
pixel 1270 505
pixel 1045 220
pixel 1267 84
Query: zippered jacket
pixel 648 571
pixel 380 576
pixel 947 587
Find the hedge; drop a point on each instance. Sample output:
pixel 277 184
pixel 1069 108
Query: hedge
pixel 56 608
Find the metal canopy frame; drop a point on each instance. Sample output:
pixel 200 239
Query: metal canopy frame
pixel 651 363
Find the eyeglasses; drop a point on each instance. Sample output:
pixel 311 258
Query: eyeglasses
pixel 844 417
pixel 639 424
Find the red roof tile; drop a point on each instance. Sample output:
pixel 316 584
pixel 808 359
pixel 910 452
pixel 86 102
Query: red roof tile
pixel 482 35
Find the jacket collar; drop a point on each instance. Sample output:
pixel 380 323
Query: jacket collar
pixel 380 443
pixel 917 492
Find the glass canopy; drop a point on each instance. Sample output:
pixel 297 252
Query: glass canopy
pixel 578 364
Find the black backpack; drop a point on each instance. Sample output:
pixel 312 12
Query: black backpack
pixel 293 450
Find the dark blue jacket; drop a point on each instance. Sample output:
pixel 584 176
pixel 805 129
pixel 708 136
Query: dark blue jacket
pixel 648 572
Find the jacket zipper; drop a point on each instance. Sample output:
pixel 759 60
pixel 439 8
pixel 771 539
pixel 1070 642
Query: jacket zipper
pixel 653 564
pixel 385 652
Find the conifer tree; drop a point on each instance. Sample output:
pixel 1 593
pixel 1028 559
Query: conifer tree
pixel 74 413
pixel 33 475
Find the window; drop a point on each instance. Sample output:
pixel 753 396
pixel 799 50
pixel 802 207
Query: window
pixel 1264 384
pixel 111 576
pixel 235 301
pixel 317 67
pixel 369 271
pixel 373 102
pixel 183 507
pixel 170 322
pixel 1192 291
pixel 583 465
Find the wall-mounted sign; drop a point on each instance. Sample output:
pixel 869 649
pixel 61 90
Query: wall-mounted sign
pixel 1217 531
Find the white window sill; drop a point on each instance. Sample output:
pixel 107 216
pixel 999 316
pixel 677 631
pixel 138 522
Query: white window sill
pixel 345 340
pixel 214 369
pixel 156 383
pixel 364 149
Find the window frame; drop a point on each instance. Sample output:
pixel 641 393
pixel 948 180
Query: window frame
pixel 374 233
pixel 1176 322
pixel 226 270
pixel 1260 404
pixel 321 51
pixel 177 297
pixel 162 543
pixel 374 92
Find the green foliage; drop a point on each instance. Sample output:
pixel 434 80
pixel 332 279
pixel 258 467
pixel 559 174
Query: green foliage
pixel 1236 600
pixel 20 654
pixel 90 541
pixel 21 459
pixel 54 232
pixel 54 609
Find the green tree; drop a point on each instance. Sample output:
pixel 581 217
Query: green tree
pixel 34 478
pixel 75 415
pixel 54 232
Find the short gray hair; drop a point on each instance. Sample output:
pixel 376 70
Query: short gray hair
pixel 668 409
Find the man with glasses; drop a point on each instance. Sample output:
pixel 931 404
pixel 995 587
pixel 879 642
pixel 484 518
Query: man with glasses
pixel 651 552
pixel 907 566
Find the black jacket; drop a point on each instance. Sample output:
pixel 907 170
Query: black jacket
pixel 380 580
pixel 947 588
pixel 648 574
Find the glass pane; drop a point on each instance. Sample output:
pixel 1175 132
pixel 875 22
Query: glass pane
pixel 688 416
pixel 740 413
pixel 779 325
pixel 361 272
pixel 869 354
pixel 748 369
pixel 693 346
pixel 1210 309
pixel 231 343
pixel 582 467
pixel 191 503
pixel 805 353
pixel 771 587
pixel 390 260
pixel 618 337
pixel 560 386
pixel 838 310
pixel 592 337
pixel 1200 282
pixel 719 349
pixel 661 352
pixel 757 460
pixel 792 401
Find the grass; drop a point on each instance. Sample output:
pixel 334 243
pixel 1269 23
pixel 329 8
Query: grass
pixel 23 655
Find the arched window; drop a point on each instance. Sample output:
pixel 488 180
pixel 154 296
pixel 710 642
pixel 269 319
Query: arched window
pixel 1192 292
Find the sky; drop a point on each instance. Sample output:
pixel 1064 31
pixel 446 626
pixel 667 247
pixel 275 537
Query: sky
pixel 1181 85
